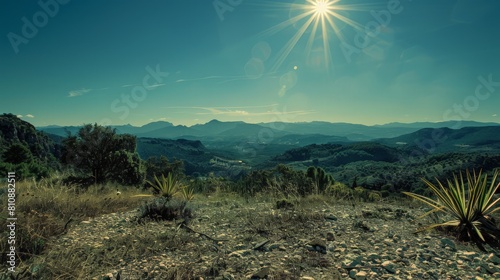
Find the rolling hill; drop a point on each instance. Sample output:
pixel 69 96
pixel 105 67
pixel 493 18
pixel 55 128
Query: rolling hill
pixel 440 140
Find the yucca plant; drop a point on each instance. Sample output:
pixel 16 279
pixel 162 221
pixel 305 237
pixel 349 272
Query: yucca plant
pixel 166 186
pixel 187 193
pixel 470 203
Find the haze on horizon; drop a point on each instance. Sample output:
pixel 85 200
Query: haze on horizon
pixel 188 62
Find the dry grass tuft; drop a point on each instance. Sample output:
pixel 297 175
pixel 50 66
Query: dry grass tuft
pixel 45 209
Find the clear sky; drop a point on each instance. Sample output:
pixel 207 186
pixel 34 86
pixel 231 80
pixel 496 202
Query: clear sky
pixel 360 61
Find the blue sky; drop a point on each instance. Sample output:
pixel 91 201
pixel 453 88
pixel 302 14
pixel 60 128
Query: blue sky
pixel 372 62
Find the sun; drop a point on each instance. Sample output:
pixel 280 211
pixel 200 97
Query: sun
pixel 321 7
pixel 317 18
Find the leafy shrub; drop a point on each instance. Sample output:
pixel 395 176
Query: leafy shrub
pixel 470 202
pixel 162 208
pixel 360 193
pixel 339 191
pixel 374 196
pixel 156 166
pixel 26 170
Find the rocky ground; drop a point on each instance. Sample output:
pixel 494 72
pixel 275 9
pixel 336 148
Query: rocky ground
pixel 236 239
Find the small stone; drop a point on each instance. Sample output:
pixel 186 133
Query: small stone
pixel 389 266
pixel 374 257
pixel 361 275
pixel 239 246
pixel 330 236
pixel 317 245
pixel 240 253
pixel 260 245
pixel 448 243
pixel 275 246
pixel 352 273
pixel 357 261
pixel 492 258
pixel 261 274
pixel 331 218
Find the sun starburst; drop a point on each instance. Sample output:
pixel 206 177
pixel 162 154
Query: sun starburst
pixel 320 7
pixel 318 18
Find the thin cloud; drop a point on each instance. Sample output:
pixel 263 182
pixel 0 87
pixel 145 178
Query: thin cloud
pixel 25 116
pixel 244 111
pixel 225 79
pixel 79 92
pixel 202 78
pixel 155 86
pixel 131 85
pixel 213 111
pixel 224 107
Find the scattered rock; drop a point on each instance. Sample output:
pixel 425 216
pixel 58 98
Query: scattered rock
pixel 275 246
pixel 330 218
pixel 362 225
pixel 360 248
pixel 240 253
pixel 492 258
pixel 389 266
pixel 446 242
pixel 260 246
pixel 263 273
pixel 317 245
pixel 330 236
pixel 361 275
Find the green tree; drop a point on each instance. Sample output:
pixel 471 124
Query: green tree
pixel 100 153
pixel 157 166
pixel 17 153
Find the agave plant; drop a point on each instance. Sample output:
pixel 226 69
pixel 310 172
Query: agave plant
pixel 187 193
pixel 470 203
pixel 166 186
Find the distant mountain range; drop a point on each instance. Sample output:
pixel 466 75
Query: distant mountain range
pixel 348 151
pixel 266 132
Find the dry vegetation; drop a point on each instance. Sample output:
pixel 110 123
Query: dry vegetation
pixel 112 240
pixel 46 209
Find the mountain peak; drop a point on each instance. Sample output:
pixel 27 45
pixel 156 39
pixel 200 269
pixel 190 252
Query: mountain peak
pixel 214 121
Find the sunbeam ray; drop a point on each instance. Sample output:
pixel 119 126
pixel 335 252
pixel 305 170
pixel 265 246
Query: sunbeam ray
pixel 316 17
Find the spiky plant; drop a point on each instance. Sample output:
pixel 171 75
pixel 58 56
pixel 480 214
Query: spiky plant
pixel 166 186
pixel 470 203
pixel 187 193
